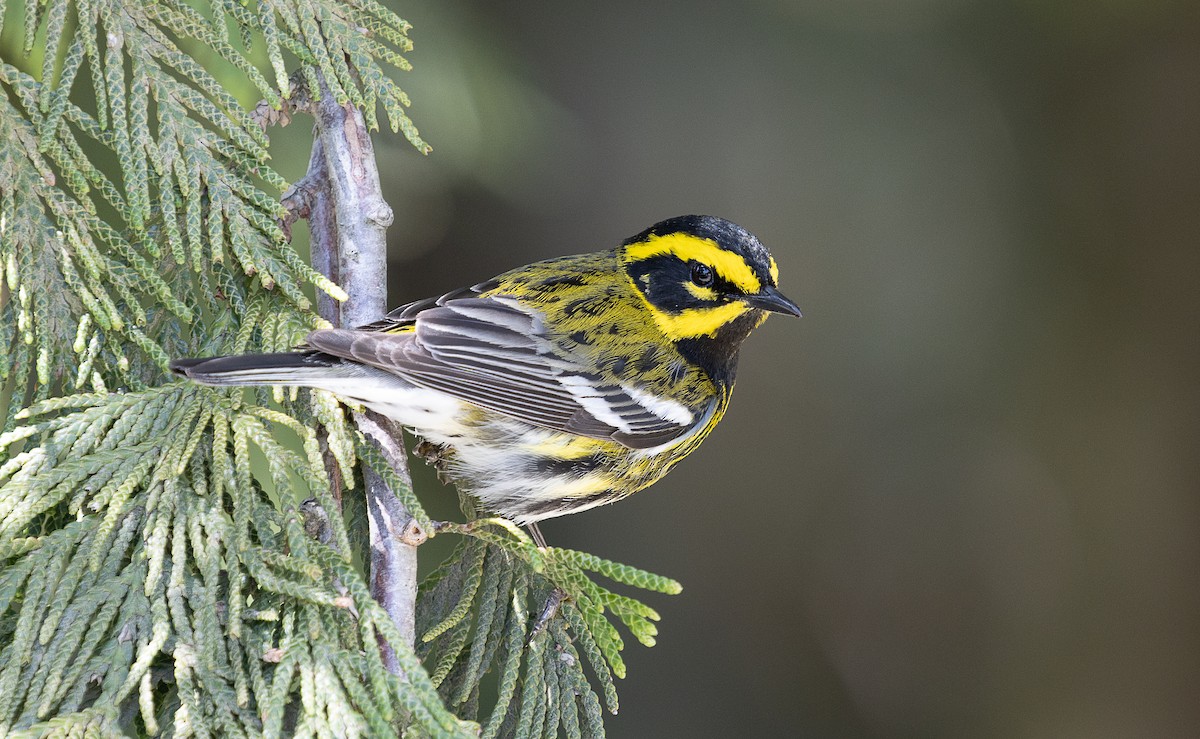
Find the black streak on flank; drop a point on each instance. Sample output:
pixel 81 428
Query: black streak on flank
pixel 580 337
pixel 558 505
pixel 604 496
pixel 568 467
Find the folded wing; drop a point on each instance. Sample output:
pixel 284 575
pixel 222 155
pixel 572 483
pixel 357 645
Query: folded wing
pixel 495 354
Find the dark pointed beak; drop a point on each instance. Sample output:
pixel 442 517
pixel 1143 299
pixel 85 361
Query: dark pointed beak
pixel 773 300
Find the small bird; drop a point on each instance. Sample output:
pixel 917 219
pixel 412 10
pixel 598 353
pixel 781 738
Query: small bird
pixel 559 386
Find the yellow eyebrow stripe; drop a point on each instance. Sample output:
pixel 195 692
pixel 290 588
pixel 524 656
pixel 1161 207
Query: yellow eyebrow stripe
pixel 686 247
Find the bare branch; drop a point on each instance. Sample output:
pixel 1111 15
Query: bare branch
pixel 393 546
pixel 348 220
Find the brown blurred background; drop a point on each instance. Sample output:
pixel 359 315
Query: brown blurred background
pixel 957 499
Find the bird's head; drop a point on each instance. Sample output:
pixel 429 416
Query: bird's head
pixel 704 277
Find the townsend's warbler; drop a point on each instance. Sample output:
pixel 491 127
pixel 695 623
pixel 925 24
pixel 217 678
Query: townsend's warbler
pixel 559 386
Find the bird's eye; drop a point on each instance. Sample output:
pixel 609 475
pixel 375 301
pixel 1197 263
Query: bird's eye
pixel 702 274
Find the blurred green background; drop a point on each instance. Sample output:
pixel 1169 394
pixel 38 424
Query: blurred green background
pixel 959 497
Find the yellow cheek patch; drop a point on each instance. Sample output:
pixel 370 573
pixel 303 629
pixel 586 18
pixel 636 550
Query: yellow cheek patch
pixel 695 322
pixel 686 247
pixel 774 271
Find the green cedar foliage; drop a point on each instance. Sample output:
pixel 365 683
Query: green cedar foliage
pixel 156 575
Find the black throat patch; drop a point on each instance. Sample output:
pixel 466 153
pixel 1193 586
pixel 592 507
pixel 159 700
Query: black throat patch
pixel 717 355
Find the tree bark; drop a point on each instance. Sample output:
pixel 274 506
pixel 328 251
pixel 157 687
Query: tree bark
pixel 348 220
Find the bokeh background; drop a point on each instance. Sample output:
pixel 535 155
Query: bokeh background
pixel 960 497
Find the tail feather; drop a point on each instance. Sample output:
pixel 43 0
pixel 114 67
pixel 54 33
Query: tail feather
pixel 291 368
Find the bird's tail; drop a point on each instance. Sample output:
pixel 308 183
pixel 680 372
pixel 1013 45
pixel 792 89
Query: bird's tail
pixel 293 368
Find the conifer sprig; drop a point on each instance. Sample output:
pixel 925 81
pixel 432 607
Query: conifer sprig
pixel 155 570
